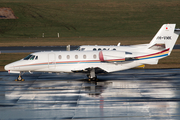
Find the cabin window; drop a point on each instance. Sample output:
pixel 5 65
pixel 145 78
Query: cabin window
pixel 99 48
pixel 114 48
pixel 68 56
pixel 84 56
pixel 60 57
pixel 76 56
pixel 94 49
pixel 104 48
pixel 94 56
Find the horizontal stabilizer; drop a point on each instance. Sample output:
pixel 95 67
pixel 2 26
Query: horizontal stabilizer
pixel 150 61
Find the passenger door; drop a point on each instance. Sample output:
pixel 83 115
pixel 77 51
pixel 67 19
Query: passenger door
pixel 51 61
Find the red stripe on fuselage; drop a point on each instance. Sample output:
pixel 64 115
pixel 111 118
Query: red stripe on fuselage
pixel 154 53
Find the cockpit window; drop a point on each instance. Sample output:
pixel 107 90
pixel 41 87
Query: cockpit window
pixel 30 57
pixel 128 53
pixel 82 49
pixel 27 57
pixel 78 49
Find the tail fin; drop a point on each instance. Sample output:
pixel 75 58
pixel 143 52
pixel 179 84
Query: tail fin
pixel 165 38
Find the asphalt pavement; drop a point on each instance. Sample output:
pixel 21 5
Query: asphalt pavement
pixel 136 94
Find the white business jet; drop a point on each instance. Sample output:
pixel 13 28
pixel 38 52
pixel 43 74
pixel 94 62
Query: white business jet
pixel 98 47
pixel 103 61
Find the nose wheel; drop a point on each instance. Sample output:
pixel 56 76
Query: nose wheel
pixel 19 78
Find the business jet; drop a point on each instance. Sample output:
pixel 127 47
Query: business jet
pixel 98 47
pixel 102 61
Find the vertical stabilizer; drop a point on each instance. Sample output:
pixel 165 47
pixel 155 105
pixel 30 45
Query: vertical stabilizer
pixel 165 38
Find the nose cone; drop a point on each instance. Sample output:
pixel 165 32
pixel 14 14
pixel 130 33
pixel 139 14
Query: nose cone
pixel 8 67
pixel 12 66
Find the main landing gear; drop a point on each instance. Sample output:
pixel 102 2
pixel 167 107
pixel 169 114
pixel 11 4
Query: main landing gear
pixel 19 78
pixel 91 75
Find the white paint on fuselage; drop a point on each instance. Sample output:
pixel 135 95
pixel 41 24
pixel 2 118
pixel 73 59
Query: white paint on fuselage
pixel 68 61
pixel 129 48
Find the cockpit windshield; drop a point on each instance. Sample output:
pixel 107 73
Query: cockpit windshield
pixel 80 49
pixel 30 57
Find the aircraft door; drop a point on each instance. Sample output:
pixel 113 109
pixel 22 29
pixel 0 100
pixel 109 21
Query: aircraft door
pixel 51 61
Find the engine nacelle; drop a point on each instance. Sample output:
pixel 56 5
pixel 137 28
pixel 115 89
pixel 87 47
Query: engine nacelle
pixel 111 56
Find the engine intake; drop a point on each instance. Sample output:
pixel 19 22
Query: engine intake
pixel 111 56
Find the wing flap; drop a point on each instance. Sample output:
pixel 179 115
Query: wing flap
pixel 87 70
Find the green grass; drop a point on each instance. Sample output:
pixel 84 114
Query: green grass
pixel 73 41
pixel 104 22
pixel 7 58
pixel 93 18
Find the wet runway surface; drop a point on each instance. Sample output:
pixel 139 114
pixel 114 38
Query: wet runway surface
pixel 133 94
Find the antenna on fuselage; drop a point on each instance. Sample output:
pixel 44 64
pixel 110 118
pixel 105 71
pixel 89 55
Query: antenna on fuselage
pixel 118 44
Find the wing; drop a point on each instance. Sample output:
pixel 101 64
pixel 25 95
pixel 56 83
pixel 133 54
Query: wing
pixel 87 70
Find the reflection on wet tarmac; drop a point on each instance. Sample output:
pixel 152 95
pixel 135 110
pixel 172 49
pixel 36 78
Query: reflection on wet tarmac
pixel 131 94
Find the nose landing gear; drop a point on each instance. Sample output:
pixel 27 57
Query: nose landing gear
pixel 19 78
